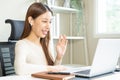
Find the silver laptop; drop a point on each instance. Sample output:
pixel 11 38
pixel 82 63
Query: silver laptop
pixel 105 59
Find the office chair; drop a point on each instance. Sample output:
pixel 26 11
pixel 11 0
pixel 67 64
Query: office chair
pixel 7 48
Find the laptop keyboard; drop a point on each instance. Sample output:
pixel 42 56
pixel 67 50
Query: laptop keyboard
pixel 84 71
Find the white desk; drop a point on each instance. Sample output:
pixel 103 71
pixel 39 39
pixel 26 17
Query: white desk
pixel 112 76
pixel 15 77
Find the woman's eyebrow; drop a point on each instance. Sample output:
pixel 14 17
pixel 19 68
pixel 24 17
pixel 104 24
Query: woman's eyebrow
pixel 47 19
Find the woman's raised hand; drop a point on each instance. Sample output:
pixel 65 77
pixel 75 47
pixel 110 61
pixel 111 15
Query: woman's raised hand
pixel 61 46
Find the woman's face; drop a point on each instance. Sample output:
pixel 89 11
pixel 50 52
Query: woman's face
pixel 41 25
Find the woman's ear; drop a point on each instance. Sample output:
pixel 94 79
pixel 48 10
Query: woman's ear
pixel 30 20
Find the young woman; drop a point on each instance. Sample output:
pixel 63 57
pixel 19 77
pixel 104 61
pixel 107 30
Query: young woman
pixel 33 51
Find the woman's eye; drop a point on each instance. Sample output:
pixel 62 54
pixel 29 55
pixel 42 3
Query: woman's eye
pixel 44 21
pixel 50 22
pixel 47 22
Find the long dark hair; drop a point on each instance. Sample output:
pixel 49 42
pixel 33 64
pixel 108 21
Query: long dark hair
pixel 35 10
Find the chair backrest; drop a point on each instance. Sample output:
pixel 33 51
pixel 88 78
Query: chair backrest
pixel 17 27
pixel 7 58
pixel 7 48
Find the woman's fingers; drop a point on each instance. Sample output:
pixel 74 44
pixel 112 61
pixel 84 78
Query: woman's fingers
pixel 57 68
pixel 63 39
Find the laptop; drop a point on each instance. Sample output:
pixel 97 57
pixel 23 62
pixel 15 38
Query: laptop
pixel 105 59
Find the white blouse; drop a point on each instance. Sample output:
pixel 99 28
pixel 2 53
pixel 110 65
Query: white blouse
pixel 29 58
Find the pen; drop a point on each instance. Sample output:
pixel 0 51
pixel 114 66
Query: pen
pixel 62 73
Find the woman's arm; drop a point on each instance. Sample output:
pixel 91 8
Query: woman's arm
pixel 21 65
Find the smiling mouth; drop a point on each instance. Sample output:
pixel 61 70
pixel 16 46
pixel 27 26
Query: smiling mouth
pixel 44 32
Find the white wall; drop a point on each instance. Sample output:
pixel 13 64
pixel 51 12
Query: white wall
pixel 12 9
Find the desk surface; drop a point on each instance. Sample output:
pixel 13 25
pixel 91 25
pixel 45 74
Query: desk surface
pixel 16 77
pixel 111 76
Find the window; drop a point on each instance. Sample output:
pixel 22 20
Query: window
pixel 108 17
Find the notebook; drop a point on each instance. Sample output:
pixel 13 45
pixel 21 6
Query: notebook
pixel 53 76
pixel 105 59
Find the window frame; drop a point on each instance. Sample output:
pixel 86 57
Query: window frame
pixel 96 33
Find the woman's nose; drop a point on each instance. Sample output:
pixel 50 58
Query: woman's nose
pixel 48 25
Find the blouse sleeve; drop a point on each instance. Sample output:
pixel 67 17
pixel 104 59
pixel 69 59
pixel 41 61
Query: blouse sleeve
pixel 20 64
